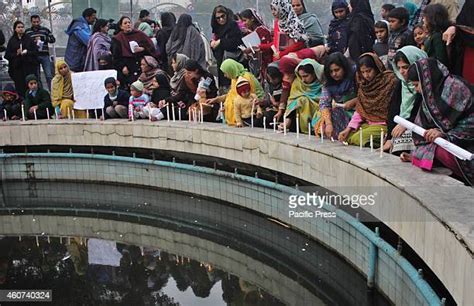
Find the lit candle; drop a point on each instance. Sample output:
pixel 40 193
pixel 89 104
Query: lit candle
pixel 179 113
pixel 297 125
pixel 322 133
pixel 56 113
pixel 264 124
pixel 47 113
pixel 172 113
pixel 202 113
pixel 87 113
pixel 371 143
pixel 284 125
pixel 309 130
pixel 5 117
pixel 251 115
pixel 132 117
pixel 73 115
pixel 274 124
pixel 34 113
pixel 222 113
pixel 381 142
pixel 360 137
pixel 23 112
pixel 69 113
pixel 168 112
pixel 95 113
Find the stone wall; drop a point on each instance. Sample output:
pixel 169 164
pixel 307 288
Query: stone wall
pixel 432 213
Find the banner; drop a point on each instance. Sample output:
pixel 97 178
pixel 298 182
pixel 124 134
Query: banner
pixel 89 89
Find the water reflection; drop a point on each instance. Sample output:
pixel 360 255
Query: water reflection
pixel 93 271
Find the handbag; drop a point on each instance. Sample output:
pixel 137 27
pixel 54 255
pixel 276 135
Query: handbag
pixel 236 55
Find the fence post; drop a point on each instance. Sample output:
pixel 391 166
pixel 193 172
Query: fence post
pixel 373 254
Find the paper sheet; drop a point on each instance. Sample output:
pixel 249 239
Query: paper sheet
pixel 89 90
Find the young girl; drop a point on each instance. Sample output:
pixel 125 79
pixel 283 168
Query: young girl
pixel 304 95
pixel 436 21
pixel 245 105
pixel 381 45
pixel 11 104
pixel 262 57
pixel 337 34
pixel 116 100
pixel 339 88
pixel 419 35
pixel 375 89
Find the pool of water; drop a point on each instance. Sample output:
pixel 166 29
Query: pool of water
pixel 265 259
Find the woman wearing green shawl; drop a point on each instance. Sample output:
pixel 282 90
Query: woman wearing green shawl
pixel 304 95
pixel 405 102
pixel 233 70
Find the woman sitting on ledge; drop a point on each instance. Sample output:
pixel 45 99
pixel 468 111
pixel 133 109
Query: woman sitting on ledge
pixel 233 70
pixel 376 86
pixel 447 111
pixel 303 102
pixel 61 92
pixel 339 87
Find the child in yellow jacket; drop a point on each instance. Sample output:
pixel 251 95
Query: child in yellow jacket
pixel 245 105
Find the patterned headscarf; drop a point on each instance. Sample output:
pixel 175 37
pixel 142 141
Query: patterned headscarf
pixel 288 21
pixel 374 96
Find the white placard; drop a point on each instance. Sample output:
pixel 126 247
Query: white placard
pixel 89 89
pixel 448 146
pixel 103 252
pixel 251 40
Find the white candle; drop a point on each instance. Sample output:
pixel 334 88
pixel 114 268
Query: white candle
pixel 47 113
pixel 168 112
pixel 309 130
pixel 381 142
pixel 360 137
pixel 202 113
pixel 23 112
pixel 264 124
pixel 284 125
pixel 172 111
pixel 297 126
pixel 95 113
pixel 149 115
pixel 189 115
pixel 132 117
pixel 87 113
pixel 222 113
pixel 103 113
pixel 73 115
pixel 251 115
pixel 34 113
pixel 56 113
pixel 5 115
pixel 69 113
pixel 371 143
pixel 322 133
pixel 274 124
pixel 179 113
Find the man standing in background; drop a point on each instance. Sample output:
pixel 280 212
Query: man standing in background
pixel 79 33
pixel 42 37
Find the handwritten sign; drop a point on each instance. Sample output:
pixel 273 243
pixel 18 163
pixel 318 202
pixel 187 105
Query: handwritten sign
pixel 89 89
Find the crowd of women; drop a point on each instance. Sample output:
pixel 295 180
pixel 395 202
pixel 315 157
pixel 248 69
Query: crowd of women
pixel 347 85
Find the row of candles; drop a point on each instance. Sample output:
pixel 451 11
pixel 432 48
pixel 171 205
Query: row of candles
pixel 195 116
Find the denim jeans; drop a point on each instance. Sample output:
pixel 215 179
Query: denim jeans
pixel 47 65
